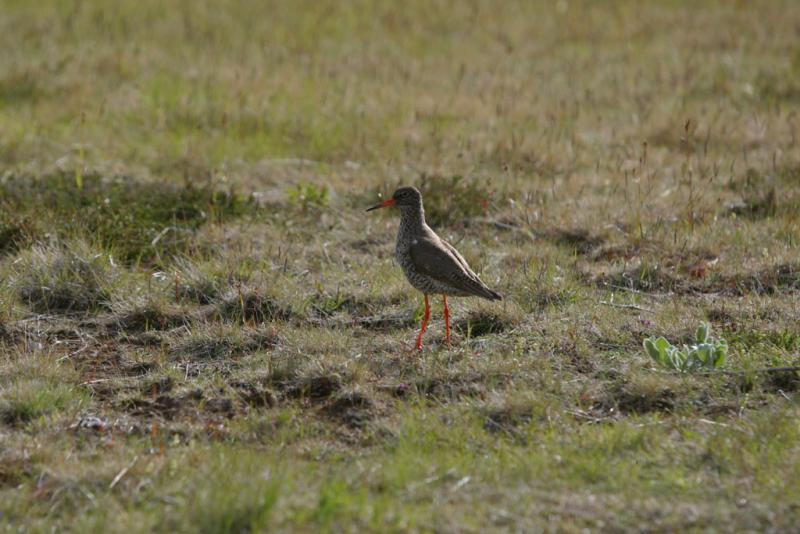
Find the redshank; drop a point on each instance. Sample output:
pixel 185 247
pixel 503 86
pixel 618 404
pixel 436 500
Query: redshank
pixel 430 263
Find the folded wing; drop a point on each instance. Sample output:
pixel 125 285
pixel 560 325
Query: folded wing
pixel 437 259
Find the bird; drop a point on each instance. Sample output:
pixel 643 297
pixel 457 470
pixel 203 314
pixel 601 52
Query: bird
pixel 431 264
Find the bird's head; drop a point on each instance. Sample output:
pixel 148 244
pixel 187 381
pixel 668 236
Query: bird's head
pixel 404 198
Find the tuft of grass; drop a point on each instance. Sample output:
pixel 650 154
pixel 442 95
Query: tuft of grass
pixel 509 415
pixel 255 393
pixel 482 322
pixel 642 394
pixel 23 401
pixel 19 87
pixel 145 315
pixel 759 196
pixel 219 342
pixel 352 407
pixel 245 305
pixel 13 469
pixel 193 284
pixel 15 230
pixel 315 381
pixel 580 240
pixel 63 278
pixel 646 277
pixel 33 385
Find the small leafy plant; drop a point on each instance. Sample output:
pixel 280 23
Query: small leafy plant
pixel 708 353
pixel 307 196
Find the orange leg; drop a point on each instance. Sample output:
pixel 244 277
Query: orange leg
pixel 446 320
pixel 424 323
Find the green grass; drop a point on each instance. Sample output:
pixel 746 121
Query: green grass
pixel 34 386
pixel 138 221
pixel 201 328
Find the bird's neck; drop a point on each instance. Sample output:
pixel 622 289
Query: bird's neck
pixel 412 219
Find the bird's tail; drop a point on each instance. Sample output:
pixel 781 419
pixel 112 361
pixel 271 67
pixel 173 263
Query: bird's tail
pixel 491 294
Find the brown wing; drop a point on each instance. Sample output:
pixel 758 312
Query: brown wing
pixel 440 261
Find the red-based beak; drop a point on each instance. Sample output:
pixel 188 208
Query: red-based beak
pixel 384 204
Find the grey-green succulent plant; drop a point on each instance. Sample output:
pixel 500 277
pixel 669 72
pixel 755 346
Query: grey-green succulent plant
pixel 707 353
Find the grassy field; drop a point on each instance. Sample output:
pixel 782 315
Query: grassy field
pixel 201 329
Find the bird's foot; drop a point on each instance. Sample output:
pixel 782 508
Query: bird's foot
pixel 412 349
pixel 412 354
